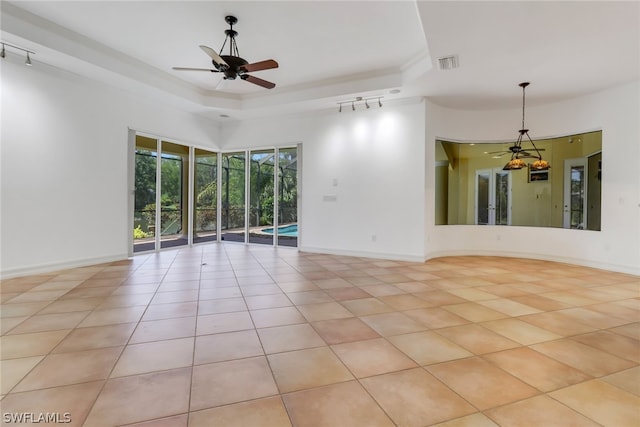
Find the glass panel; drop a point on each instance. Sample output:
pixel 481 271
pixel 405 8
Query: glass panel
pixel 261 197
pixel 205 196
pixel 288 197
pixel 502 198
pixel 577 197
pixel 537 198
pixel 144 215
pixel 483 198
pixel 174 167
pixel 233 193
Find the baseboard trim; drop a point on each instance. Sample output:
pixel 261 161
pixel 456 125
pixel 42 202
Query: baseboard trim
pixel 363 254
pixel 566 260
pixel 57 266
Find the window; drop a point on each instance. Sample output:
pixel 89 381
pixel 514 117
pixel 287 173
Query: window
pixel 185 195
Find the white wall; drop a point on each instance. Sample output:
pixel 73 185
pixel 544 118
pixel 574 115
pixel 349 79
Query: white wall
pixel 64 165
pixel 617 112
pixel 64 173
pixel 372 161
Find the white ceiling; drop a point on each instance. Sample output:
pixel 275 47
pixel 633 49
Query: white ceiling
pixel 331 51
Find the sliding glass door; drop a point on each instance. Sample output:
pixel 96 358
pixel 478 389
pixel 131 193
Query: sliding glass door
pixel 233 197
pixel 288 197
pixel 185 195
pixel 261 196
pixel 144 211
pixel 160 218
pixel 174 190
pixel 205 196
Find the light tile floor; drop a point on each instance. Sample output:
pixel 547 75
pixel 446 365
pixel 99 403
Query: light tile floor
pixel 232 335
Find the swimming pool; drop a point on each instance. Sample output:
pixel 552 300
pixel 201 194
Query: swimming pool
pixel 290 230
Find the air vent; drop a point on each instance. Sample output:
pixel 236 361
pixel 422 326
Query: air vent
pixel 448 62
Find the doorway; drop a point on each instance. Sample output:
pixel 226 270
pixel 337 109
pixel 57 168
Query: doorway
pixel 575 193
pixel 493 197
pixel 160 218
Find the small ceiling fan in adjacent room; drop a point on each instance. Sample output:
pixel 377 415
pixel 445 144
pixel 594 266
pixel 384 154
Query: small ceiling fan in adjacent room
pixel 514 150
pixel 232 65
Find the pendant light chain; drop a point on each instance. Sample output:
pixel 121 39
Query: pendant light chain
pixel 523 86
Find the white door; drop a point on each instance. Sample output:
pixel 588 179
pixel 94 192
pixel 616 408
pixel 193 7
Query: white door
pixel 575 193
pixel 493 197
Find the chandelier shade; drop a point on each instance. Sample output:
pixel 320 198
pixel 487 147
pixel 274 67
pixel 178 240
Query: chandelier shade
pixel 514 164
pixel 540 165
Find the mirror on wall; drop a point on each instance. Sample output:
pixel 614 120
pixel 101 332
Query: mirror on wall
pixel 473 188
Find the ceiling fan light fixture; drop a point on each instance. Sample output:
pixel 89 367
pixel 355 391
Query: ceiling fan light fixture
pixel 232 65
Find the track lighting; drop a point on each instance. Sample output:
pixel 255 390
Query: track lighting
pixel 3 54
pixel 358 99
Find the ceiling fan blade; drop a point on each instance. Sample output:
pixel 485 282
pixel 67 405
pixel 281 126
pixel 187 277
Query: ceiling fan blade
pixel 497 152
pixel 257 66
pixel 195 69
pixel 214 55
pixel 527 155
pixel 257 81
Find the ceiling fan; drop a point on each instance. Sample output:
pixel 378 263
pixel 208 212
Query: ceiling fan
pixel 232 65
pixel 513 149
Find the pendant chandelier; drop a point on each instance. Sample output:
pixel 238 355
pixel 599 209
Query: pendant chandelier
pixel 518 154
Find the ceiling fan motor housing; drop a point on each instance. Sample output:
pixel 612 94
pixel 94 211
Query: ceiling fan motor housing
pixel 235 62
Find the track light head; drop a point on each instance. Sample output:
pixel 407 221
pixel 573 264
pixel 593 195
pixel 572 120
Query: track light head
pixel 379 103
pixel 353 106
pixel 340 109
pixel 3 53
pixel 366 103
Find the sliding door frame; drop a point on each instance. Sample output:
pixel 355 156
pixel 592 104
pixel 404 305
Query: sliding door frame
pixel 132 134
